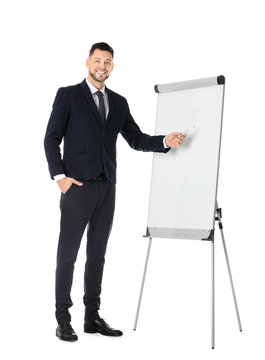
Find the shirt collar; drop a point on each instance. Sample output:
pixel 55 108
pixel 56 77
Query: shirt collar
pixel 93 89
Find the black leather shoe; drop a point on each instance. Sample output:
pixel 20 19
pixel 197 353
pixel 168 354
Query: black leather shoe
pixel 65 332
pixel 100 326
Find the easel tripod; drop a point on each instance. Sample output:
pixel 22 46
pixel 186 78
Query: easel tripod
pixel 218 217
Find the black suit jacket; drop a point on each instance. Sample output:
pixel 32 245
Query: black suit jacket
pixel 90 147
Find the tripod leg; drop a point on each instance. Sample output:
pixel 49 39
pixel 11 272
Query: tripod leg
pixel 230 277
pixel 213 297
pixel 142 285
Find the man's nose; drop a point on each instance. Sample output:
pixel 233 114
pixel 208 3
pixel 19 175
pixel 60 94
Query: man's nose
pixel 102 65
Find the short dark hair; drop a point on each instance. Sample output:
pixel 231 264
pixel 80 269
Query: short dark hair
pixel 101 46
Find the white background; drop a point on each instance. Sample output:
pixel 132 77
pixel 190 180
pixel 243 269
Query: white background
pixel 44 45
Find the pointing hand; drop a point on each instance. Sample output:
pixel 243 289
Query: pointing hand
pixel 175 139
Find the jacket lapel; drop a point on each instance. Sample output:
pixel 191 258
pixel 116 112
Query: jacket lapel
pixel 88 96
pixel 111 100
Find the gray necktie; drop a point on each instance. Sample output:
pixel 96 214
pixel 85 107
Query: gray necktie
pixel 102 111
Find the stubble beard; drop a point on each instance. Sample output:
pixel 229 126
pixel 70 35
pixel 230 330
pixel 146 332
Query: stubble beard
pixel 96 79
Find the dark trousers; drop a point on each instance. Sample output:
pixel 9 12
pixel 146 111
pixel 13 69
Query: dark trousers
pixel 90 205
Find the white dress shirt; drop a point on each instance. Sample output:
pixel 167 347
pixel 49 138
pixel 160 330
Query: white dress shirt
pixel 93 91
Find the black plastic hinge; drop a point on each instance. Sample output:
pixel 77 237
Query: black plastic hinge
pixel 220 80
pixel 156 88
pixel 210 237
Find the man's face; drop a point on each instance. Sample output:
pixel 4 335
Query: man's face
pixel 99 66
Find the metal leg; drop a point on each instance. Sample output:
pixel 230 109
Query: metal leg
pixel 213 297
pixel 219 216
pixel 142 286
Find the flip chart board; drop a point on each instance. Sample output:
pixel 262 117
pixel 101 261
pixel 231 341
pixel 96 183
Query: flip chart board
pixel 184 181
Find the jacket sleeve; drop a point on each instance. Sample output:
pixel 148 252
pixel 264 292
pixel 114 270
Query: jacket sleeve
pixel 55 132
pixel 139 140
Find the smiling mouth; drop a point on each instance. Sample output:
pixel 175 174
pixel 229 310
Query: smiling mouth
pixel 101 72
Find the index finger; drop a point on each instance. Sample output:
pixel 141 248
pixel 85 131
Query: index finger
pixel 182 136
pixel 77 182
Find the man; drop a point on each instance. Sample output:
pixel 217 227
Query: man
pixel 88 117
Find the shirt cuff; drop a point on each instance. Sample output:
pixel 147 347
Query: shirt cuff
pixel 164 142
pixel 59 177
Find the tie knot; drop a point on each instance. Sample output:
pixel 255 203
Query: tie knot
pixel 99 93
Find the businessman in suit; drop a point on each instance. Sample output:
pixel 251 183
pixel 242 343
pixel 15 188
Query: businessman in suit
pixel 88 117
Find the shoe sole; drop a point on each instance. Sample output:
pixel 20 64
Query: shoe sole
pixel 91 331
pixel 101 332
pixel 61 337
